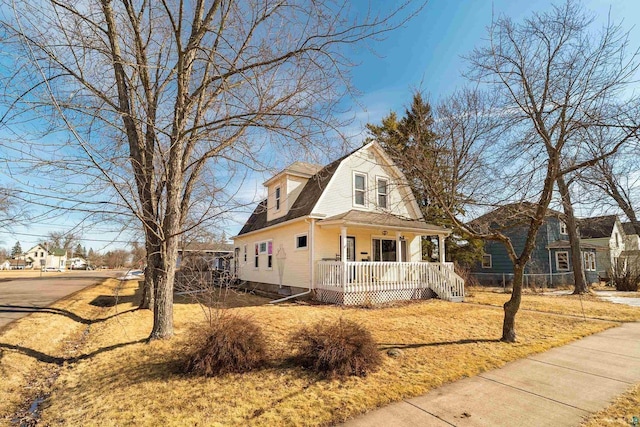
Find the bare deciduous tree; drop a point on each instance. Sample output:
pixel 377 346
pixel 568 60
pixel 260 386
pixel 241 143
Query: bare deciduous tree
pixel 159 95
pixel 552 80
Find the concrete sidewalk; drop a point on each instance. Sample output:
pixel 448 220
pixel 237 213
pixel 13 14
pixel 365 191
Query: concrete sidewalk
pixel 560 387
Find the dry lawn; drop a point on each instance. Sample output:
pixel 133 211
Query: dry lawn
pixel 33 348
pixel 620 412
pixel 17 274
pixel 589 306
pixel 112 377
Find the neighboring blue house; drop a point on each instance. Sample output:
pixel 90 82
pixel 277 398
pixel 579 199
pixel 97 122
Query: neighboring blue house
pixel 550 261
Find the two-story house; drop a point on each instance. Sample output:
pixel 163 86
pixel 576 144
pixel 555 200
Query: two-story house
pixel 350 232
pixel 41 257
pixel 550 262
pixel 607 234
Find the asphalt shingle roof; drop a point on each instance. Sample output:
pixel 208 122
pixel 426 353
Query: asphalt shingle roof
pixel 597 227
pixel 303 205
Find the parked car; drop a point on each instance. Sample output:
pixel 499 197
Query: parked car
pixel 50 269
pixel 133 275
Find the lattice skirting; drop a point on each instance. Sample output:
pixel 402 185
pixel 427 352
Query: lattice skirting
pixel 371 297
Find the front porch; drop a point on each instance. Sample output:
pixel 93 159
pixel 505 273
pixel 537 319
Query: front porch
pixel 358 283
pixel 378 258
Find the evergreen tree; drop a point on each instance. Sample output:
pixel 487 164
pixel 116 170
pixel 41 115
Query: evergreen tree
pixel 16 251
pixel 412 141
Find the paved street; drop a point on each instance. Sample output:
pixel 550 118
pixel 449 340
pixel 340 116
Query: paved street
pixel 39 292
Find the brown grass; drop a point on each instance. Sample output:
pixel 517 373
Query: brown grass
pixel 117 379
pixel 33 348
pixel 589 306
pixel 620 412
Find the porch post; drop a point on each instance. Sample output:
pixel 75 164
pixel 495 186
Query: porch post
pixel 398 247
pixel 343 253
pixel 441 254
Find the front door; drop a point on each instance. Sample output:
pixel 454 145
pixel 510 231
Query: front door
pixel 351 248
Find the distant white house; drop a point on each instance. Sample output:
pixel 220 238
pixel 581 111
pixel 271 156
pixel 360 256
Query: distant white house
pixel 41 257
pixel 77 263
pixel 5 265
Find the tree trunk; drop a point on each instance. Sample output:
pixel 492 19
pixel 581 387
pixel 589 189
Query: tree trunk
pixel 164 280
pixel 580 284
pixel 153 265
pixel 511 307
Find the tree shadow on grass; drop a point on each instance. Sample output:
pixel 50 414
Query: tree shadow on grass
pixel 45 358
pixel 58 311
pixel 387 346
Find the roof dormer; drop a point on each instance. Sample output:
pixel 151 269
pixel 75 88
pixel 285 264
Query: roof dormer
pixel 284 188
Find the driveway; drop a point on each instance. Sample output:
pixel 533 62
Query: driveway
pixel 39 292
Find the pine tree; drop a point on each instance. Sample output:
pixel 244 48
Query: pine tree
pixel 412 142
pixel 16 251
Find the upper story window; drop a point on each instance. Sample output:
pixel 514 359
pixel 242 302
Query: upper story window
pixel 617 239
pixel 382 192
pixel 277 198
pixel 359 189
pixel 563 228
pixel 487 262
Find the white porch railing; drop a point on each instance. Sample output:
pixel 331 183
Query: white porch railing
pixel 374 282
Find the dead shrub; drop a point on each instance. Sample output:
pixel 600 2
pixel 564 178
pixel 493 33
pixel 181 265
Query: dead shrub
pixel 626 278
pixel 337 349
pixel 231 345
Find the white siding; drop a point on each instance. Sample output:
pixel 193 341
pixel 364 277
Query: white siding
pixel 295 265
pixel 290 188
pixel 337 198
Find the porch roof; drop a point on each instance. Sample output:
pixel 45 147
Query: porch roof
pixel 564 244
pixel 363 219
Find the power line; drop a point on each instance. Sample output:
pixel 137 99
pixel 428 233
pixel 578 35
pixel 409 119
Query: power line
pixel 82 239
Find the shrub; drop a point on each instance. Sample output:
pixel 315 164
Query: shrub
pixel 337 349
pixel 231 345
pixel 626 281
pixel 626 278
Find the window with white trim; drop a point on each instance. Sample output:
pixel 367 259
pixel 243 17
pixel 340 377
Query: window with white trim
pixel 359 189
pixel 263 247
pixel 245 253
pixel 269 254
pixel 256 261
pixel 589 261
pixel 302 241
pixel 277 198
pixel 382 185
pixel 562 261
pixel 563 228
pixel 487 261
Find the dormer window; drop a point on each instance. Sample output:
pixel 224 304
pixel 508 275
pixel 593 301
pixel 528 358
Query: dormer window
pixel 382 192
pixel 563 228
pixel 277 198
pixel 359 189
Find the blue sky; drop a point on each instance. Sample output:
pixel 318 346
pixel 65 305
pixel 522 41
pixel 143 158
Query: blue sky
pixel 425 54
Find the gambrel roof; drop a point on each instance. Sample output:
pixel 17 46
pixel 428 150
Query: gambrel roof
pixel 314 189
pixel 303 205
